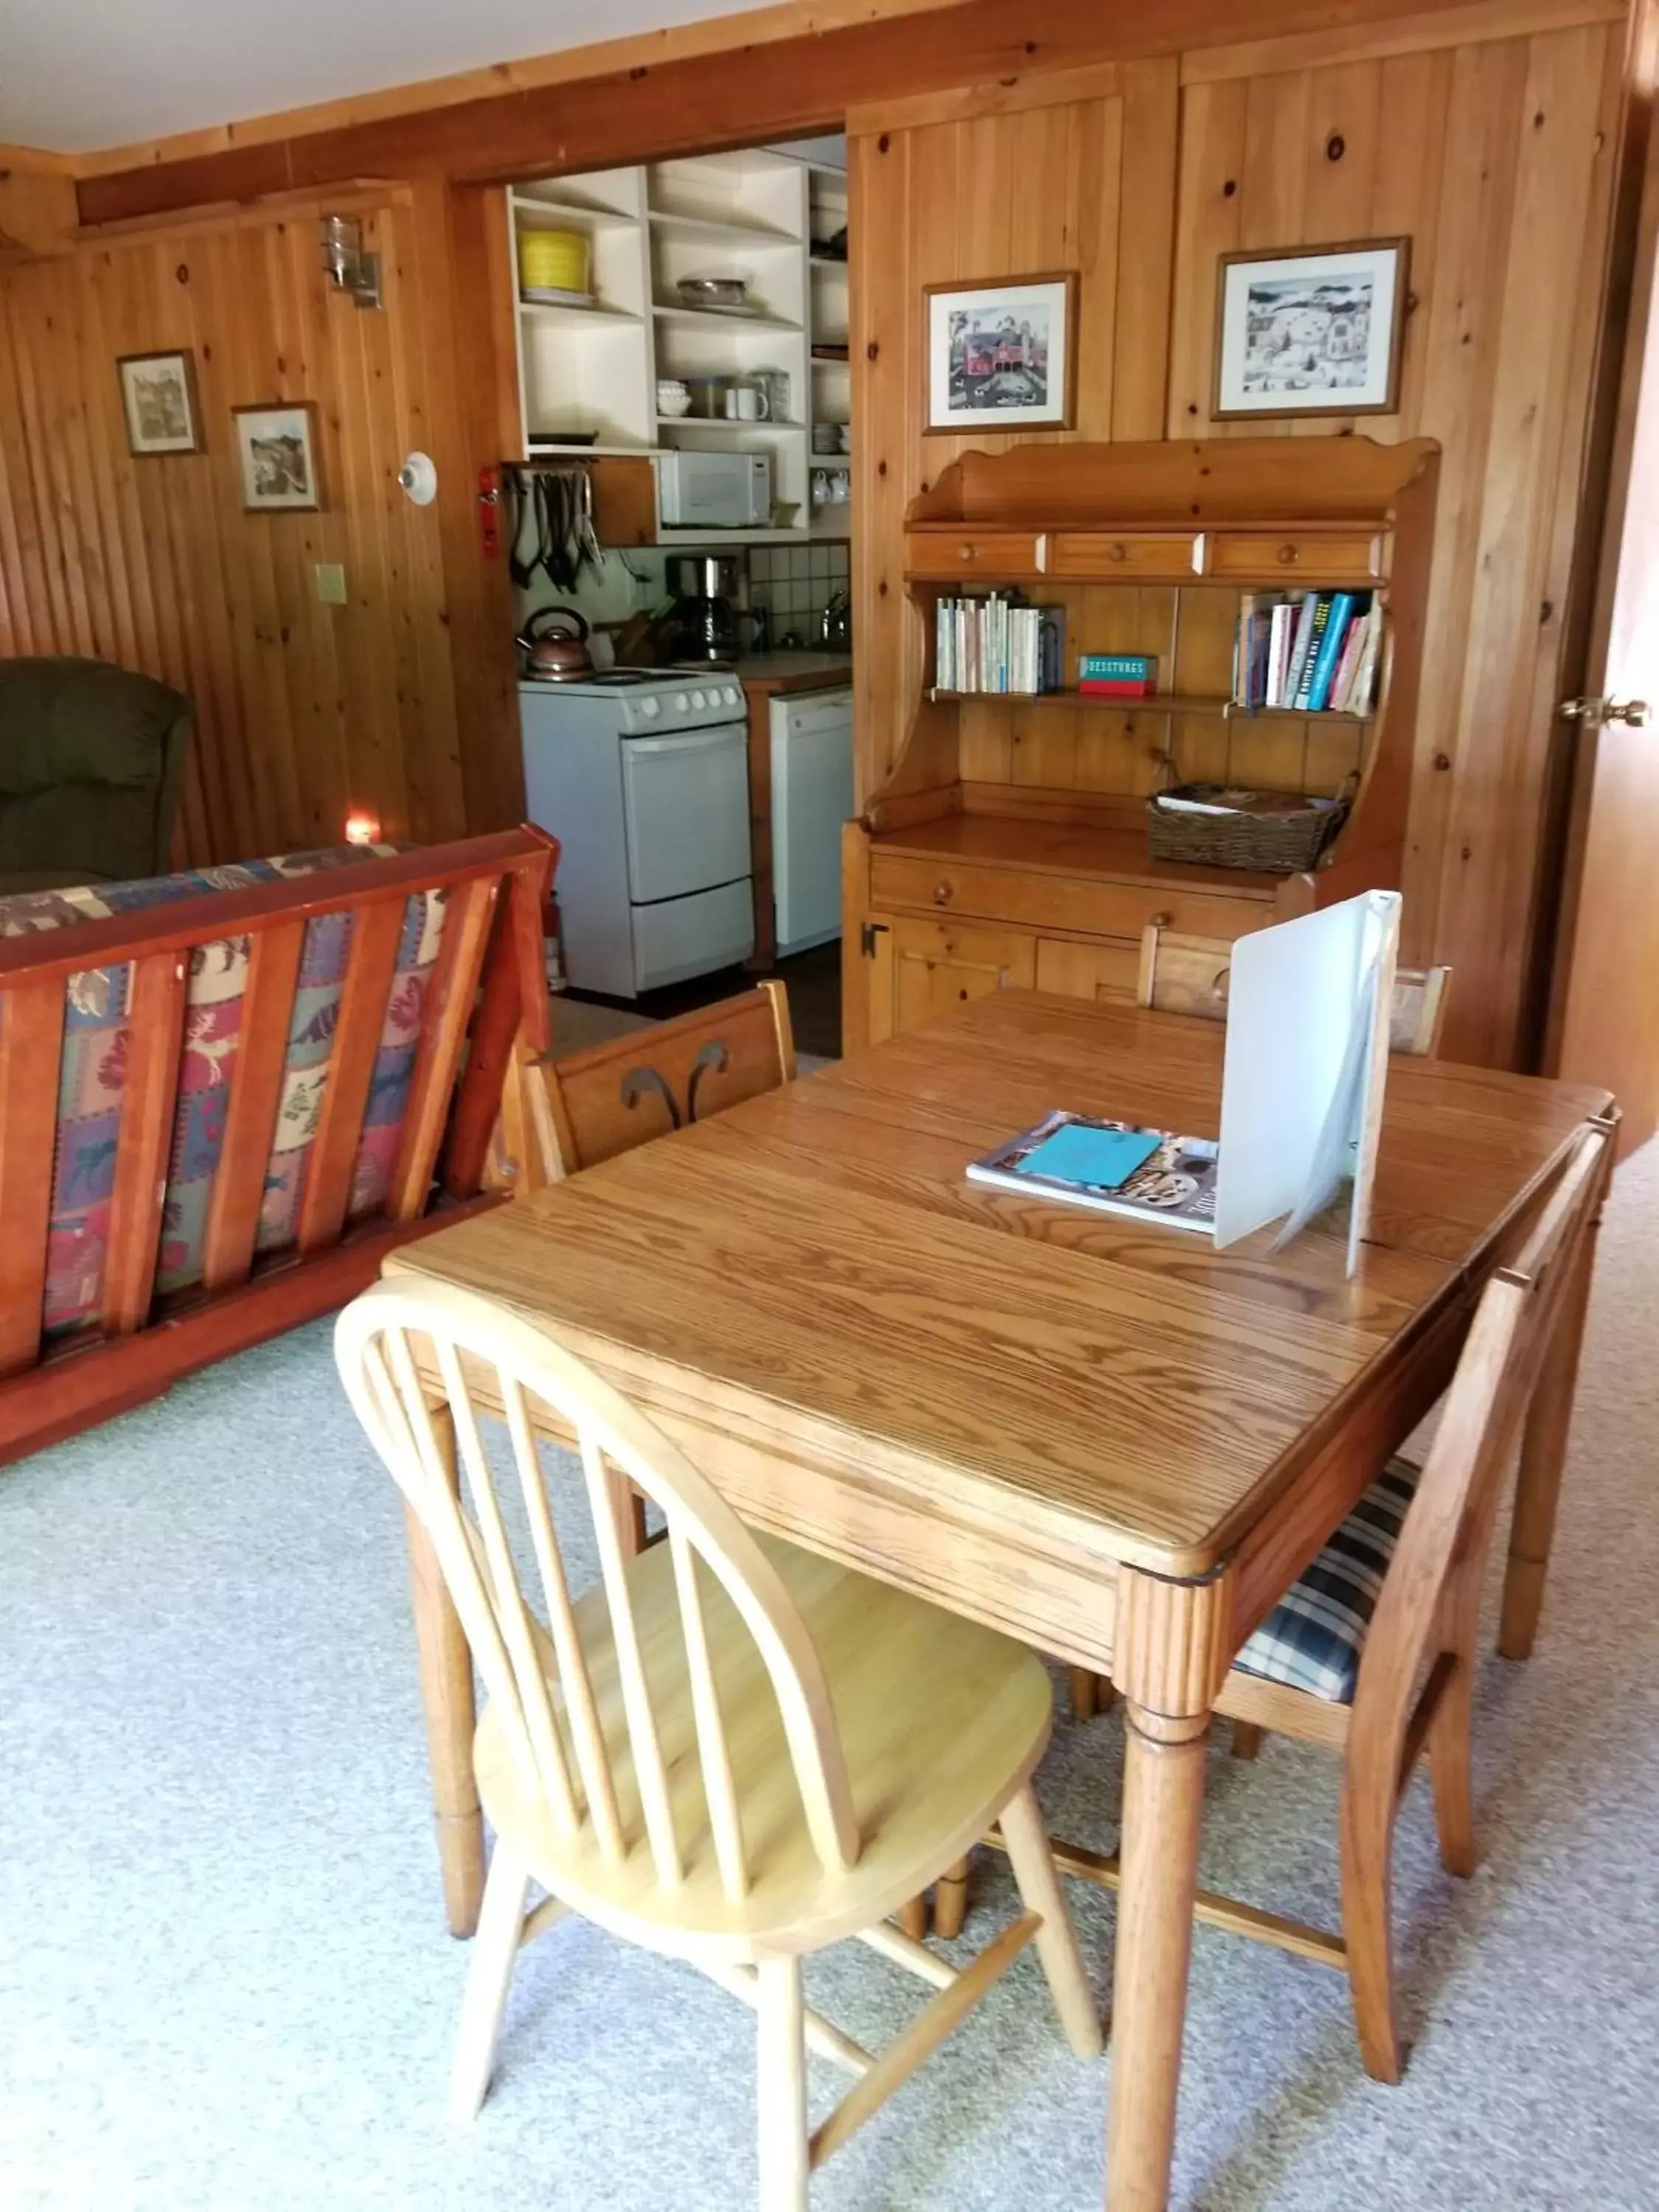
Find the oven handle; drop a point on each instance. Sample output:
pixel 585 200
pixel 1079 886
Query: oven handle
pixel 689 741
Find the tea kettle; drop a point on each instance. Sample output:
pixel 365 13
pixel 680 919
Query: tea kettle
pixel 556 656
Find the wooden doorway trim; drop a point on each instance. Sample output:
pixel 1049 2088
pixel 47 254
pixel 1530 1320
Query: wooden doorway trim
pixel 1584 958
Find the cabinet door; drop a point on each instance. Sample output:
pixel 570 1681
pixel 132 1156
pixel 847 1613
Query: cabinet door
pixel 1106 971
pixel 922 968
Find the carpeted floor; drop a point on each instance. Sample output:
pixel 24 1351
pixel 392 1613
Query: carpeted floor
pixel 225 1985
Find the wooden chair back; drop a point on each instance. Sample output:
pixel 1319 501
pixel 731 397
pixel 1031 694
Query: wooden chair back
pixel 1184 975
pixel 615 1096
pixel 1425 1612
pixel 538 1662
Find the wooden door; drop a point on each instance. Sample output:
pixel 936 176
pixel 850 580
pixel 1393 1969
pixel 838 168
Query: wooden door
pixel 922 968
pixel 1604 1014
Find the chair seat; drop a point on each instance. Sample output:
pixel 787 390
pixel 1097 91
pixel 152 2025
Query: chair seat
pixel 938 1718
pixel 1313 1638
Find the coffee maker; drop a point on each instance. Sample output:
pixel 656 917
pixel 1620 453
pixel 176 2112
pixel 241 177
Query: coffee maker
pixel 703 619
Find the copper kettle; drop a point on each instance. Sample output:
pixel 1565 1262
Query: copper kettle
pixel 558 656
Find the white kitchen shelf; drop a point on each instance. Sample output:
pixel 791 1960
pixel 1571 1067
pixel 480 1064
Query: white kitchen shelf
pixel 748 215
pixel 555 215
pixel 758 234
pixel 722 422
pixel 557 311
pixel 712 317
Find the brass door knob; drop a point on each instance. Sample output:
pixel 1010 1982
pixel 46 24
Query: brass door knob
pixel 1593 713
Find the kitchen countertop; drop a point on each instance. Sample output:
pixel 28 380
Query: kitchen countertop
pixel 794 671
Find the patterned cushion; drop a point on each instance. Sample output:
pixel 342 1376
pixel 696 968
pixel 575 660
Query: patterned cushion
pixel 93 1070
pixel 1313 1638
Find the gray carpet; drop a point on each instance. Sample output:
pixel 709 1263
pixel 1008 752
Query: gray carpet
pixel 225 1985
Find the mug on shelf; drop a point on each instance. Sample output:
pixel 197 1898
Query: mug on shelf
pixel 746 402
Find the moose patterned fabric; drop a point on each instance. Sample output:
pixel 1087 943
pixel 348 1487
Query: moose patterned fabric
pixel 95 1047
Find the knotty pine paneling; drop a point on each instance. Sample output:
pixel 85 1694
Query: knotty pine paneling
pixel 304 711
pixel 1485 135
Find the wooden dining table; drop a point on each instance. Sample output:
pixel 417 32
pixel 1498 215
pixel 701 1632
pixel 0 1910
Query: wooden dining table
pixel 1102 1435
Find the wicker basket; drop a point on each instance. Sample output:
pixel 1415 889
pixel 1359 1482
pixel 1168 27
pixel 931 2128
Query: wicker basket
pixel 1284 841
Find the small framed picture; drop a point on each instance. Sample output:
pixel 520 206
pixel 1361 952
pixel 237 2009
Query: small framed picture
pixel 158 393
pixel 1001 357
pixel 1314 331
pixel 276 453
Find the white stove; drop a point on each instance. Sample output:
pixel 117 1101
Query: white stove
pixel 642 774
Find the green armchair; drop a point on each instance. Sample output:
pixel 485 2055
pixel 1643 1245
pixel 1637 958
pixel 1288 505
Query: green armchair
pixel 91 760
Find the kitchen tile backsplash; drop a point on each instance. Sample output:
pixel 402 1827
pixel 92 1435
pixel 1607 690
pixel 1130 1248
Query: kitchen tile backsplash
pixel 794 584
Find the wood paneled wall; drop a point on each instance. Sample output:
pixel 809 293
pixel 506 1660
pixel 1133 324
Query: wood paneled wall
pixel 1494 152
pixel 305 711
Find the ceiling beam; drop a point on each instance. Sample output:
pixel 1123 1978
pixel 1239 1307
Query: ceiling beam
pixel 780 87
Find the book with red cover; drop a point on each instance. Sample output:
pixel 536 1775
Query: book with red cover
pixel 1109 691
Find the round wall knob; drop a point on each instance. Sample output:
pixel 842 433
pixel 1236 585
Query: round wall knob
pixel 1117 552
pixel 969 552
pixel 1288 553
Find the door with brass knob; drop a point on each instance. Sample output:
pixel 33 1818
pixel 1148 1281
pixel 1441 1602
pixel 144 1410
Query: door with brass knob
pixel 1604 1005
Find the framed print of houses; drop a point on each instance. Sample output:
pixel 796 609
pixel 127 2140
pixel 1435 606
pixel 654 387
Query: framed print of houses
pixel 1317 331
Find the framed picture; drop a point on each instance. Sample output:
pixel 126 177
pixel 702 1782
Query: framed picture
pixel 1314 331
pixel 158 393
pixel 276 453
pixel 1001 357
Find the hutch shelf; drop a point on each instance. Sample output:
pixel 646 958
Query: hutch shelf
pixel 1008 844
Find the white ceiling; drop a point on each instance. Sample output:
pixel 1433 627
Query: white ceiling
pixel 78 75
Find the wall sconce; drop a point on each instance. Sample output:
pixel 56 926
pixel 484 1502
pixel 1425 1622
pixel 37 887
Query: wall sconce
pixel 362 829
pixel 349 269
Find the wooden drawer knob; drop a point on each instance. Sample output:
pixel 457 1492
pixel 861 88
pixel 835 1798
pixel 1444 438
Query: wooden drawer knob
pixel 942 894
pixel 968 552
pixel 1288 553
pixel 1117 552
pixel 1160 921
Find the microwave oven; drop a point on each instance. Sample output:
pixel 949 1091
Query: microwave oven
pixel 713 491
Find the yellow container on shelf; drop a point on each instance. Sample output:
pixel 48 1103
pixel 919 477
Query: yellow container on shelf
pixel 553 261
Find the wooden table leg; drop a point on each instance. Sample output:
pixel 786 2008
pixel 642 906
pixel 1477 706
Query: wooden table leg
pixel 1170 1645
pixel 1543 1455
pixel 451 1715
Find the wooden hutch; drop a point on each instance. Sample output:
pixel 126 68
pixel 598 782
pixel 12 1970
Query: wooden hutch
pixel 1008 846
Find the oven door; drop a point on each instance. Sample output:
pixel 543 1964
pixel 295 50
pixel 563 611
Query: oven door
pixel 685 803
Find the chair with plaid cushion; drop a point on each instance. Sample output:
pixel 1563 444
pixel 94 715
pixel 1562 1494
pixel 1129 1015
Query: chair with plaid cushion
pixel 1372 1651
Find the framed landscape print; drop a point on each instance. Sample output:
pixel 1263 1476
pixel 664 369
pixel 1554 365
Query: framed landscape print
pixel 1314 331
pixel 158 395
pixel 1001 357
pixel 277 455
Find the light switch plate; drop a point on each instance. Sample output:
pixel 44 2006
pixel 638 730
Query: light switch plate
pixel 331 583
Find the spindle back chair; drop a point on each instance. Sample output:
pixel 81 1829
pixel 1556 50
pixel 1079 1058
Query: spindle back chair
pixel 723 1749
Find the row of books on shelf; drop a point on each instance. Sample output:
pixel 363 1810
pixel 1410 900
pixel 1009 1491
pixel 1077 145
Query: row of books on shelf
pixel 998 644
pixel 1315 652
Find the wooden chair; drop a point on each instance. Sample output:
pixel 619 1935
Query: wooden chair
pixel 1380 1688
pixel 1183 974
pixel 728 1750
pixel 573 1113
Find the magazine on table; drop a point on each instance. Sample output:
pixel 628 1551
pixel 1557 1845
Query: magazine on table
pixel 1115 1167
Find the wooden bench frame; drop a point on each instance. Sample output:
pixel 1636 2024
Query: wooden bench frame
pixel 486 996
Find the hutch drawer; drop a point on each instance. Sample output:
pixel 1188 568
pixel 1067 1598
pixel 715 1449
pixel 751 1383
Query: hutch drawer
pixel 1153 556
pixel 1246 555
pixel 1096 904
pixel 990 553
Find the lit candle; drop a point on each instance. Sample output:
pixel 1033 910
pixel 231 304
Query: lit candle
pixel 363 829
